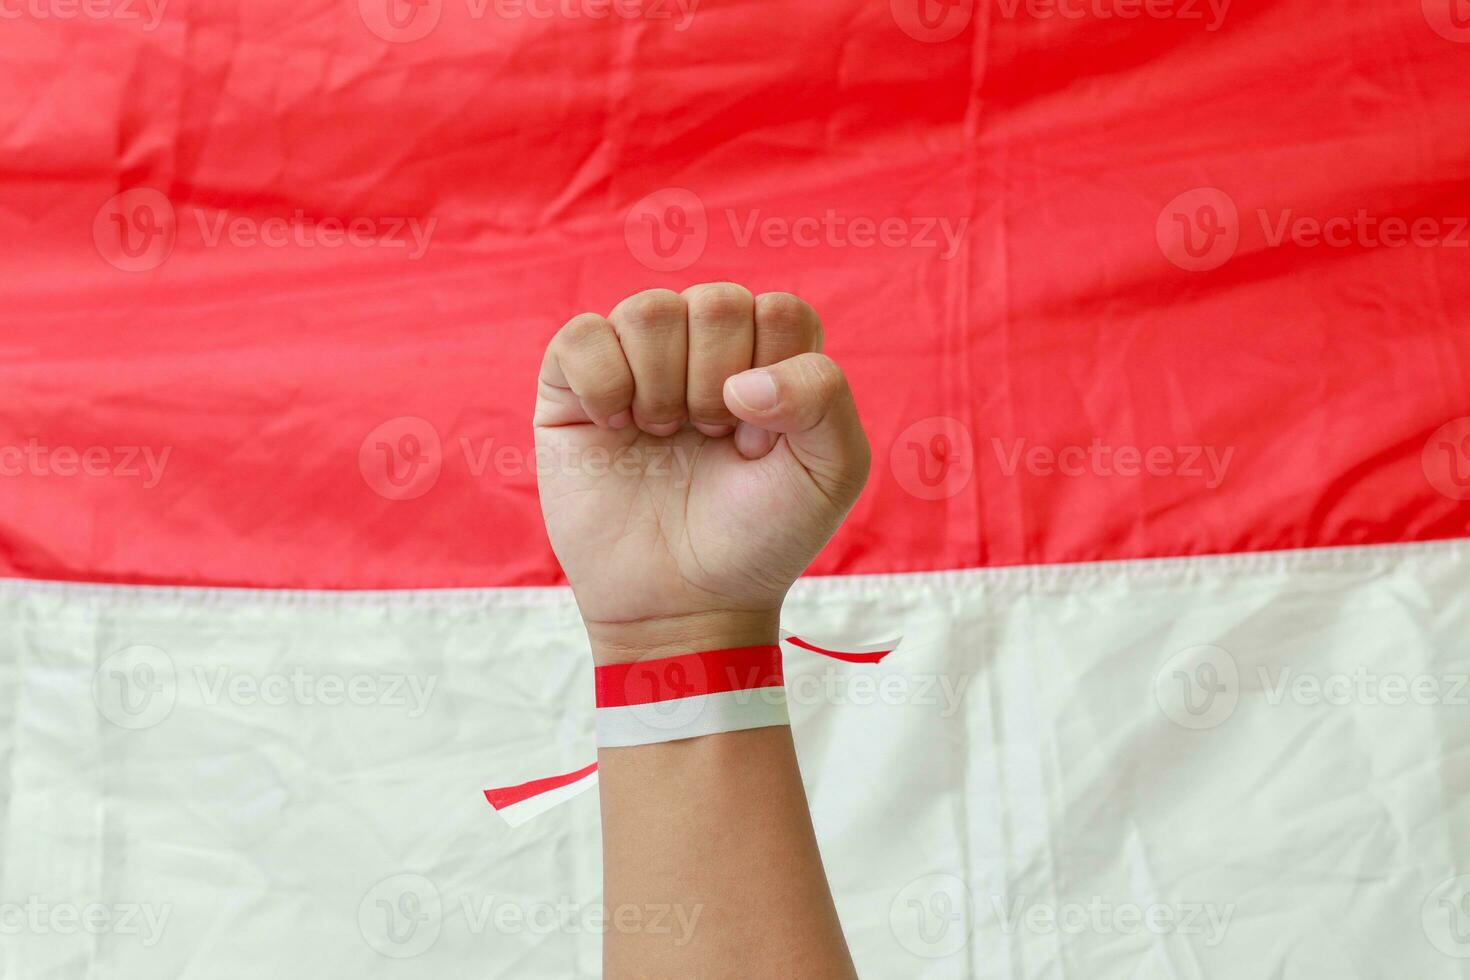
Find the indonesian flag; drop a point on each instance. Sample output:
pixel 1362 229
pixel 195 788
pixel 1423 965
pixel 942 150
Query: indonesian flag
pixel 1156 317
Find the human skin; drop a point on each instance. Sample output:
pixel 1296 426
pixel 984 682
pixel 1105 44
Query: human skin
pixel 702 452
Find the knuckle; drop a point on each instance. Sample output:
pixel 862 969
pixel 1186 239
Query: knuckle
pixel 582 328
pixel 614 391
pixel 650 308
pixel 708 408
pixel 719 301
pixel 660 410
pixel 785 313
pixel 823 374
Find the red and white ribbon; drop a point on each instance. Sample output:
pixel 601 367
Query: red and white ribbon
pixel 691 695
pixel 675 698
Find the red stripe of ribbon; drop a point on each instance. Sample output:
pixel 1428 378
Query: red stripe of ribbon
pixel 508 795
pixel 852 658
pixel 689 675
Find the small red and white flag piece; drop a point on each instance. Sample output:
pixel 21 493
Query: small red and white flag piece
pixel 517 804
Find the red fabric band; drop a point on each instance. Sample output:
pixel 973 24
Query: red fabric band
pixel 689 675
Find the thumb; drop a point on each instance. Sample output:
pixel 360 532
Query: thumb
pixel 807 399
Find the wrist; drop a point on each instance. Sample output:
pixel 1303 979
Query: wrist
pixel 657 637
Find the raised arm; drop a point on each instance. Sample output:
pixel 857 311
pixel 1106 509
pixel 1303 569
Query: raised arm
pixel 696 451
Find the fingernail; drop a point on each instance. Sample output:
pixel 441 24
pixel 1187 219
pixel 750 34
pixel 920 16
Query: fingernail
pixel 620 420
pixel 714 431
pixel 754 390
pixel 663 428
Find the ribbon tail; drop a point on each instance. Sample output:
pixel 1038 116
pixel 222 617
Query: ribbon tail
pixel 853 653
pixel 518 804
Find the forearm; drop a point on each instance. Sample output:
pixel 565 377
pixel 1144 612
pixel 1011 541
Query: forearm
pixel 715 834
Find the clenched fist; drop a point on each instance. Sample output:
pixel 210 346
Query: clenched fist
pixel 696 452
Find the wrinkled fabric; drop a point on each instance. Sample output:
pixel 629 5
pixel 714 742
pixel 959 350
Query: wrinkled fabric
pixel 986 203
pixel 1046 751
